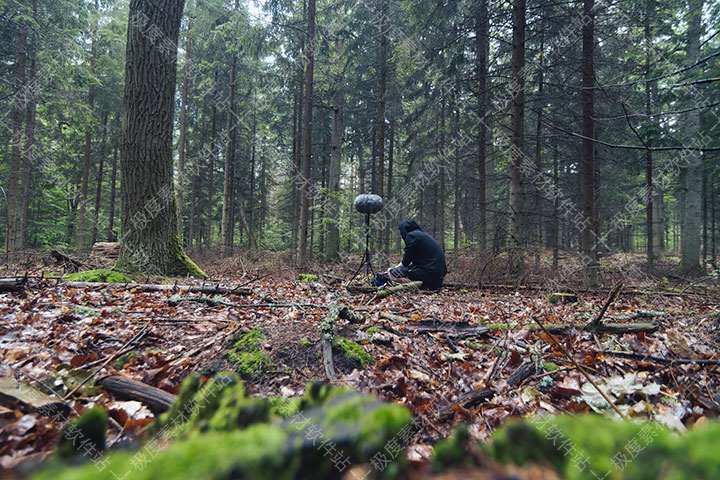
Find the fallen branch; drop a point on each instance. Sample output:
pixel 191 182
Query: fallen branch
pixel 360 289
pixel 344 311
pixel 127 345
pixel 327 330
pixel 12 284
pixel 149 287
pixel 613 294
pixel 580 368
pixel 475 397
pixel 451 329
pixel 566 328
pixel 393 317
pixel 642 356
pixel 403 287
pixel 454 330
pixel 63 258
pixel 622 328
pixel 158 400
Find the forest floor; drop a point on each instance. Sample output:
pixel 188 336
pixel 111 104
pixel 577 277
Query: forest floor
pixel 53 334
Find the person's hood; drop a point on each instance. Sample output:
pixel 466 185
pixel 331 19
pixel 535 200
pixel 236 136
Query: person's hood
pixel 408 225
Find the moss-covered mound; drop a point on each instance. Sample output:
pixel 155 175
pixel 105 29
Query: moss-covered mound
pixel 217 431
pixel 104 276
pixel 592 446
pixel 246 354
pixel 353 351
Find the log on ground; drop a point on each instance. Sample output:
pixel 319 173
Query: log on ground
pixel 158 400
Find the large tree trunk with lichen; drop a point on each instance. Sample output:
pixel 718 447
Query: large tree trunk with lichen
pixel 150 241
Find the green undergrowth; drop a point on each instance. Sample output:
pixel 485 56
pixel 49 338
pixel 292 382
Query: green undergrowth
pixel 246 354
pixel 100 275
pixel 354 352
pixel 591 446
pixel 218 431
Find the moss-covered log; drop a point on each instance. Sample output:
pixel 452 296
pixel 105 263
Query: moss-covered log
pixel 403 287
pixel 604 448
pixel 220 432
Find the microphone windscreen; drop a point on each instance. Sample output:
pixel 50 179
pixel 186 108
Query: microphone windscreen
pixel 368 203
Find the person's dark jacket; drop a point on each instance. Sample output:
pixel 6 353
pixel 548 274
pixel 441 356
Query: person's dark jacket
pixel 423 254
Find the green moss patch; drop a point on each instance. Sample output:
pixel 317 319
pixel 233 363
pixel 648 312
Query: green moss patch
pixel 592 446
pixel 316 436
pixel 100 275
pixel 246 355
pixel 124 359
pixel 563 298
pixel 353 351
pixel 90 427
pixel 307 277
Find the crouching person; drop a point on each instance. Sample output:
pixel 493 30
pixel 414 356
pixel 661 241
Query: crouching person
pixel 423 259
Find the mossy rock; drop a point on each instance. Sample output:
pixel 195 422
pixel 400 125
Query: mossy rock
pixel 246 355
pixel 100 275
pixel 592 446
pixel 307 277
pixel 562 298
pixel 353 351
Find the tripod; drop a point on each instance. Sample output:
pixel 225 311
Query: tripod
pixel 370 272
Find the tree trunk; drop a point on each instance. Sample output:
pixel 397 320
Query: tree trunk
pixel 517 127
pixel 228 221
pixel 98 189
pixel 12 240
pixel 150 240
pixel 537 201
pixel 382 261
pixel 482 46
pixel 211 176
pixel 587 162
pixel 295 217
pixel 556 204
pixel 307 134
pixel 650 226
pixel 389 192
pixel 704 213
pixel 333 232
pixel 80 233
pixel 29 148
pixel 183 128
pixel 441 174
pixel 456 182
pixel 113 182
pixel 690 241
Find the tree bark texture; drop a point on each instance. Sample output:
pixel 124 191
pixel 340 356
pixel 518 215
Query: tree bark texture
pixel 150 240
pixel 587 162
pixel 307 134
pixel 517 120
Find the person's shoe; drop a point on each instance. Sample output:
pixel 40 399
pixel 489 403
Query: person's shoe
pixel 381 279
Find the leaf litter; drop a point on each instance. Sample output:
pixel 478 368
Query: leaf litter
pixel 54 335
